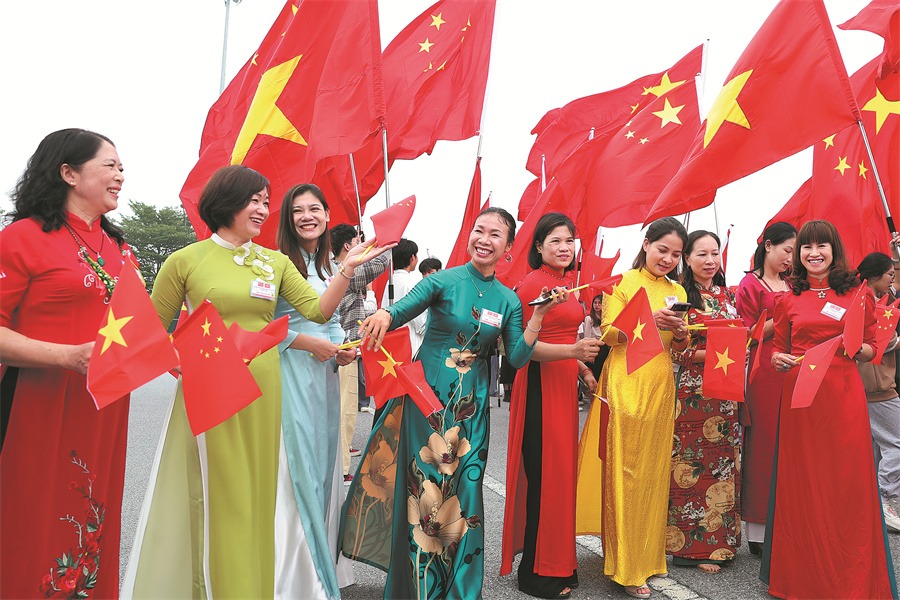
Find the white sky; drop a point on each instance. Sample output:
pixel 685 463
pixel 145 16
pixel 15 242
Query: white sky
pixel 146 73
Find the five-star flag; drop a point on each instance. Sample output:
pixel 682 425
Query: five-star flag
pixel 390 223
pixel 313 89
pixel 887 315
pixel 854 321
pixel 636 322
pixel 724 367
pixel 412 378
pixel 215 381
pixel 812 371
pixel 786 92
pixel 380 368
pixel 132 346
pixel 251 344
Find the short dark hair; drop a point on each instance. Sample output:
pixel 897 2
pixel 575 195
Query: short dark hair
pixel 874 265
pixel 776 233
pixel 288 239
pixel 403 253
pixel 429 264
pixel 227 193
pixel 840 279
pixel 658 229
pixel 341 234
pixel 504 216
pixel 545 225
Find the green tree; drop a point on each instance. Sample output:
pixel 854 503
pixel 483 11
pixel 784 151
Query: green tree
pixel 155 233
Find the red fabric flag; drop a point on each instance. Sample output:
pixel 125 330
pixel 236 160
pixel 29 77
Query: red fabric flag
pixel 854 321
pixel 596 271
pixel 732 323
pixel 460 253
pixel 563 129
pixel 605 285
pixel 251 344
pixel 636 322
pixel 725 250
pixel 380 367
pixel 614 179
pixel 812 371
pixel 786 92
pixel 412 377
pixel 391 222
pixel 529 199
pixel 132 347
pixel 604 427
pixel 881 17
pixel 723 369
pixel 886 318
pixel 756 333
pixel 215 381
pixel 312 89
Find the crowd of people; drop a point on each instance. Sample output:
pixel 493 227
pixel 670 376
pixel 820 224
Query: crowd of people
pixel 257 507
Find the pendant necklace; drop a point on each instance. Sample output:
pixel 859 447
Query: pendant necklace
pixel 96 265
pixel 480 293
pixel 83 242
pixel 820 291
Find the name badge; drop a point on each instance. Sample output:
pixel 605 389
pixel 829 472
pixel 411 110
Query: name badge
pixel 834 311
pixel 262 290
pixel 670 300
pixel 489 317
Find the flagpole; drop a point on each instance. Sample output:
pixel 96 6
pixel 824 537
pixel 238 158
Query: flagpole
pixel 225 43
pixel 543 172
pixel 356 191
pixel 387 204
pixel 884 202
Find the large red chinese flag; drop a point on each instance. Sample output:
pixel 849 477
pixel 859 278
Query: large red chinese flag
pixel 460 254
pixel 812 371
pixel 132 347
pixel 215 381
pixel 788 90
pixel 757 332
pixel 380 367
pixel 854 321
pixel 886 318
pixel 723 369
pixel 251 344
pixel 636 322
pixel 412 378
pixel 614 179
pixel 390 223
pixel 312 89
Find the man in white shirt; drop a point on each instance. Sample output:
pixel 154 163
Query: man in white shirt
pixel 405 277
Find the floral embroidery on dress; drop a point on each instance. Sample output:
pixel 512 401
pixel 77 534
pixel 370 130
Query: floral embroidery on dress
pixel 256 258
pixel 76 571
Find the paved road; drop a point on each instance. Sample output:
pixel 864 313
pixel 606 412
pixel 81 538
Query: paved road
pixel 737 581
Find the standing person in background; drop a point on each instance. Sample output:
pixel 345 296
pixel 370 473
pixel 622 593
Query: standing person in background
pixel 639 436
pixel 429 266
pixel 826 534
pixel 877 270
pixel 352 310
pixel 60 456
pixel 539 518
pixel 704 514
pixel 404 278
pixel 756 296
pixel 590 328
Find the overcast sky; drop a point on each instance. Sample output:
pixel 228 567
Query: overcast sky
pixel 146 73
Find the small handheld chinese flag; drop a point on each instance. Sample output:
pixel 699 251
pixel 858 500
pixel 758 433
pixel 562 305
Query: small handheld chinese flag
pixel 756 333
pixel 390 223
pixel 215 381
pixel 251 344
pixel 132 347
pixel 412 377
pixel 854 320
pixel 723 369
pixel 380 367
pixel 812 371
pixel 636 322
pixel 886 317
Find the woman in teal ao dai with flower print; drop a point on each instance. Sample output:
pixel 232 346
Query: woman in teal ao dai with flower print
pixel 415 506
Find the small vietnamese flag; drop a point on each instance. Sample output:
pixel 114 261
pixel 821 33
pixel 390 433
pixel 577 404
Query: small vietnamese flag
pixel 390 223
pixel 605 285
pixel 636 322
pixel 854 321
pixel 756 333
pixel 886 317
pixel 412 377
pixel 132 347
pixel 812 371
pixel 215 381
pixel 380 367
pixel 723 369
pixel 251 344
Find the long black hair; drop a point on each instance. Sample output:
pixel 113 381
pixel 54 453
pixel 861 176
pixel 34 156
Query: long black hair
pixel 658 229
pixel 41 192
pixel 687 275
pixel 840 278
pixel 545 225
pixel 775 234
pixel 288 240
pixel 874 265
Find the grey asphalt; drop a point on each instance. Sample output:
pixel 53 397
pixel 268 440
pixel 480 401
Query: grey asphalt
pixel 736 581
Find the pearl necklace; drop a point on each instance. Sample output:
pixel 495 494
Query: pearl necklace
pixel 820 291
pixel 480 293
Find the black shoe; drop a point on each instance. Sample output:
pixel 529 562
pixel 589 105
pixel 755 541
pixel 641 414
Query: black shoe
pixel 755 548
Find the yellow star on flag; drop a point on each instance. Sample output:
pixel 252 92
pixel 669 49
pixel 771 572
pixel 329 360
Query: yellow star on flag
pixel 812 367
pixel 842 165
pixel 669 114
pixel 112 331
pixel 644 141
pixel 862 169
pixel 638 333
pixel 388 366
pixel 888 313
pixel 665 85
pixel 437 21
pixel 829 141
pixel 263 117
pixel 425 46
pixel 634 107
pixel 726 108
pixel 206 327
pixel 723 361
pixel 428 69
pixel 882 107
pixel 629 135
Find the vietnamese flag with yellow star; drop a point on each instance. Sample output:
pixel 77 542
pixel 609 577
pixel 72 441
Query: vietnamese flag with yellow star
pixel 132 347
pixel 636 322
pixel 788 90
pixel 812 369
pixel 887 315
pixel 215 381
pixel 380 367
pixel 412 378
pixel 313 89
pixel 724 368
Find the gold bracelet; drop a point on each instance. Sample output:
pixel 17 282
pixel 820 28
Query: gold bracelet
pixel 341 271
